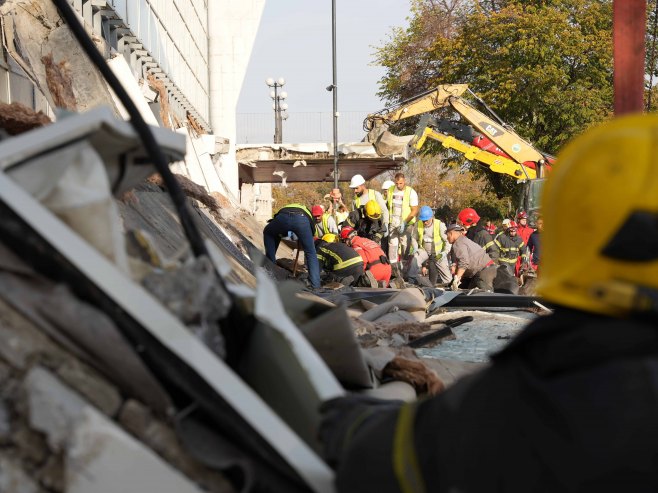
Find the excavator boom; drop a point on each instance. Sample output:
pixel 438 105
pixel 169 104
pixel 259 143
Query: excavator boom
pixel 506 139
pixel 423 103
pixel 496 163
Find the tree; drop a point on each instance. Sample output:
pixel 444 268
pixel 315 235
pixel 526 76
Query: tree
pixel 544 66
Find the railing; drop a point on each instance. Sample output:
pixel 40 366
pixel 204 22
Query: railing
pixel 258 128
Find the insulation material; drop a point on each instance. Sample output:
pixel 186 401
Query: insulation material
pixel 16 118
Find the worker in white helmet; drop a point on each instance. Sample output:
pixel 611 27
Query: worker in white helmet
pixel 362 195
pixel 388 184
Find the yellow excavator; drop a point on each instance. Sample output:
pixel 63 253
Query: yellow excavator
pixel 484 139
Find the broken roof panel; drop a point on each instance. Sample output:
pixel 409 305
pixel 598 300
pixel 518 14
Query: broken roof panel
pixel 269 163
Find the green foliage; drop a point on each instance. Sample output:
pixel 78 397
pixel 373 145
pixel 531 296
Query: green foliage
pixel 545 67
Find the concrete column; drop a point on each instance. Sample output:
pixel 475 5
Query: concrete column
pixel 232 28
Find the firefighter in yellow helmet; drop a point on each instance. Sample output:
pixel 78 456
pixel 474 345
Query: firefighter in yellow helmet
pixel 368 221
pixel 571 403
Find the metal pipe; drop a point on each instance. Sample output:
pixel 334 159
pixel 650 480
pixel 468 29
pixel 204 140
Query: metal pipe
pixel 334 89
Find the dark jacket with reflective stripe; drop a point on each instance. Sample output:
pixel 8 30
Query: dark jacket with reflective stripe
pixel 569 405
pixel 334 257
pixel 510 247
pixel 482 237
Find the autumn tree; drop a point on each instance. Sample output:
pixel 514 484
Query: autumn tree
pixel 545 67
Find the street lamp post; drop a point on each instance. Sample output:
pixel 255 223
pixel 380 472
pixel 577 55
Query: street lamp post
pixel 280 108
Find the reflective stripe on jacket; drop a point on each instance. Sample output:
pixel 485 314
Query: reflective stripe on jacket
pixel 336 256
pixel 510 248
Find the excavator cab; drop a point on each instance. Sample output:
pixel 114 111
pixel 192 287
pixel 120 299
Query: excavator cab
pixel 531 191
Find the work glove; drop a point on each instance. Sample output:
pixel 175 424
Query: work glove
pixel 339 417
pixel 385 230
pixel 402 227
pixel 454 285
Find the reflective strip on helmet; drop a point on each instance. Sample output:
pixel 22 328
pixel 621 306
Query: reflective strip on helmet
pixel 405 461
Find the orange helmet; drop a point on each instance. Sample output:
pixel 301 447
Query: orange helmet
pixel 468 216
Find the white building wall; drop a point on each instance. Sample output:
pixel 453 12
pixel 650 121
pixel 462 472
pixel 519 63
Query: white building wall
pixel 233 28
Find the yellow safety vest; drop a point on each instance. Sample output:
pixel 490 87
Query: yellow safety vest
pixel 438 241
pixel 371 196
pixel 297 206
pixel 406 207
pixel 325 226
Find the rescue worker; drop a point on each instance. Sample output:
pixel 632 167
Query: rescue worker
pixel 570 404
pixel 341 262
pixel 505 225
pixel 534 244
pixel 523 230
pixel 469 261
pixel 324 222
pixel 363 195
pixel 386 186
pixel 512 248
pixel 374 259
pixel 367 221
pixel 402 209
pixel 431 248
pixel 298 219
pixel 491 228
pixel 469 218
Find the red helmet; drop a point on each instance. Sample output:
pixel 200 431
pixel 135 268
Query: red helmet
pixel 512 225
pixel 468 216
pixel 346 232
pixel 522 215
pixel 317 210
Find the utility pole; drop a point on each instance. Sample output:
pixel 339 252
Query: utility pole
pixel 629 28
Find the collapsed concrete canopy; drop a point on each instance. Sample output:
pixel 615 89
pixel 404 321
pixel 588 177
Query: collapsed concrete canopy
pixel 291 163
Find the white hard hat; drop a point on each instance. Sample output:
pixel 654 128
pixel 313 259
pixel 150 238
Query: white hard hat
pixel 506 222
pixel 387 184
pixel 356 181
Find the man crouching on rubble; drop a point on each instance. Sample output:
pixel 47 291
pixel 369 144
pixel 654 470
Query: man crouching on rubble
pixel 571 403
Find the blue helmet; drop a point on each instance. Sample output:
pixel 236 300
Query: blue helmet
pixel 426 213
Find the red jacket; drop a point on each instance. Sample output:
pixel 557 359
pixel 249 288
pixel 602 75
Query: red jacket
pixel 524 232
pixel 369 250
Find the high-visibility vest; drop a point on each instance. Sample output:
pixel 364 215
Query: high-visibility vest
pixel 371 196
pixel 406 207
pixel 438 240
pixel 325 226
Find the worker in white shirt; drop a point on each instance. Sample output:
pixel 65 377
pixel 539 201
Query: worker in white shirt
pixel 402 209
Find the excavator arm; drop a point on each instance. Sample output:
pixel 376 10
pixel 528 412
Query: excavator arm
pixel 495 137
pixel 496 163
pixel 417 105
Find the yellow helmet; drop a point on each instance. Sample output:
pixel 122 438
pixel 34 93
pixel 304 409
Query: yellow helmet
pixel 330 238
pixel 607 261
pixel 373 211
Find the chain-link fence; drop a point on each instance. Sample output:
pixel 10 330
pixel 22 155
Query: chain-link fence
pixel 258 128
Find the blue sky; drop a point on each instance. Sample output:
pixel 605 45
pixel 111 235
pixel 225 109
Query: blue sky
pixel 294 42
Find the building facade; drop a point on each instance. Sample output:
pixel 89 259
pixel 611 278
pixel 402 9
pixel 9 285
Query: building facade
pixel 190 55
